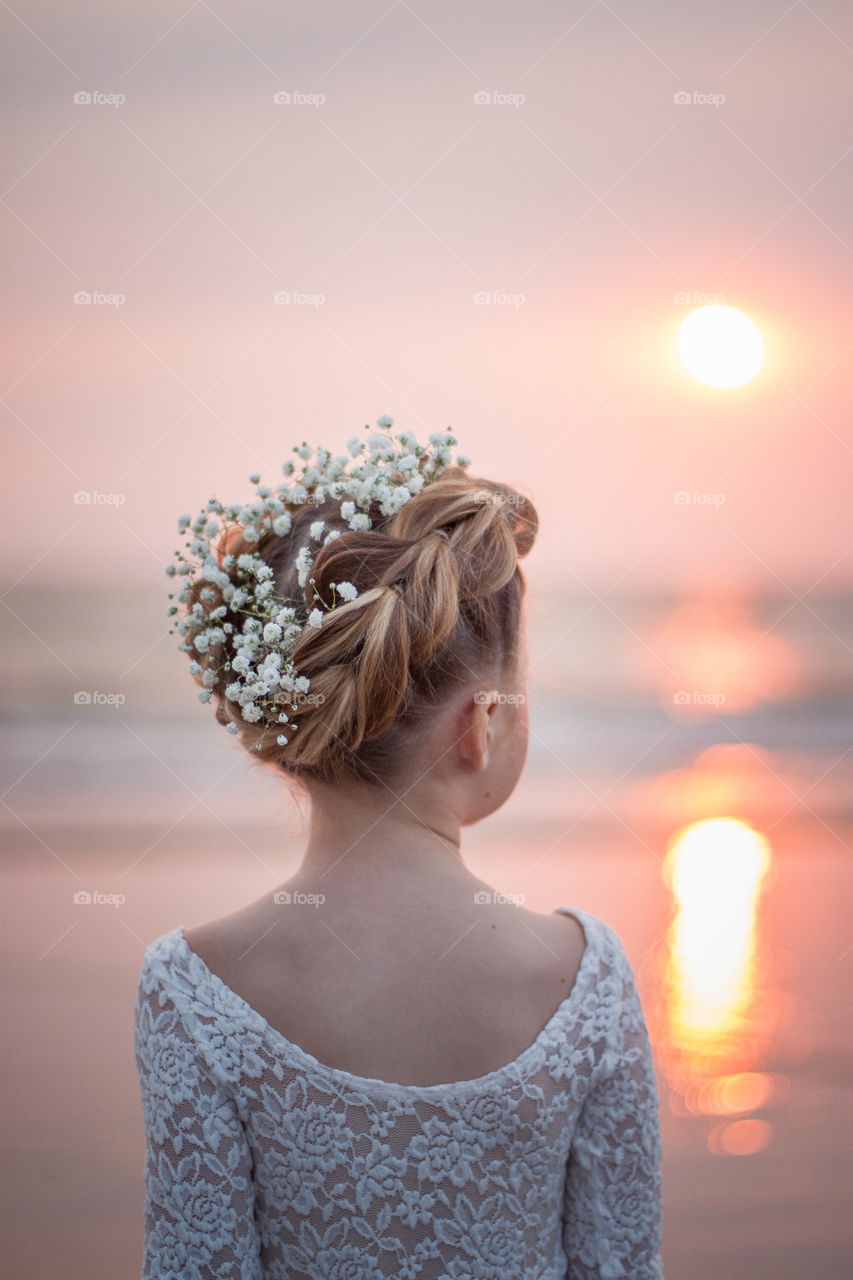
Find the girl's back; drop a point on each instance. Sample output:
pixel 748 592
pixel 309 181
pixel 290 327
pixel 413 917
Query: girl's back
pixel 265 1161
pixel 419 991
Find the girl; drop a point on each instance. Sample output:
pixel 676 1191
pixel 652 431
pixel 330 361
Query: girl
pixel 384 1068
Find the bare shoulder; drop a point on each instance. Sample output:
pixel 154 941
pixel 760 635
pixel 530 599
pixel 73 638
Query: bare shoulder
pixel 223 943
pixel 539 952
pixel 558 939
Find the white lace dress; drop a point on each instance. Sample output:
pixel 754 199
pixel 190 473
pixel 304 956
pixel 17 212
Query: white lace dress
pixel 264 1164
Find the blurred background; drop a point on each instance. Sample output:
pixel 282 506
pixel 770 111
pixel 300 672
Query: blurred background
pixel 230 229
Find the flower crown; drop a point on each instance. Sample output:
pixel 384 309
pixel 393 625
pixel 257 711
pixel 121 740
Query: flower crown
pixel 384 472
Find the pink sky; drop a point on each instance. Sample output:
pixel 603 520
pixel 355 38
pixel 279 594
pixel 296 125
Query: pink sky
pixel 397 199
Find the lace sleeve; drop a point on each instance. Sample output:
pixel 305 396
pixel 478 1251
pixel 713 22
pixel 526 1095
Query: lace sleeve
pixel 199 1193
pixel 612 1205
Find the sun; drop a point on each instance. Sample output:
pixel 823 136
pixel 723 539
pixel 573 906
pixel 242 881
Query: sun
pixel 720 346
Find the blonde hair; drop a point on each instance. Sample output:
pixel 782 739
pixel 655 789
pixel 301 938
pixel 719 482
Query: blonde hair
pixel 432 613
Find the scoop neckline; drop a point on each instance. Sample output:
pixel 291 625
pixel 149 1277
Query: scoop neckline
pixel 285 1047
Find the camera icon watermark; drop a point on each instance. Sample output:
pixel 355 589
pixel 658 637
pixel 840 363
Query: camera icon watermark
pixel 93 698
pixel 482 98
pixel 94 498
pixel 497 298
pixel 295 698
pixel 485 697
pixel 295 98
pixel 83 298
pixel 95 98
pixel 684 299
pixel 698 698
pixel 284 898
pixel 83 898
pixel 294 298
pixel 682 498
pixel 482 897
pixel 683 98
pixel 486 498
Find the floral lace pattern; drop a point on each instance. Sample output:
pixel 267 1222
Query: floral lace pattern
pixel 264 1164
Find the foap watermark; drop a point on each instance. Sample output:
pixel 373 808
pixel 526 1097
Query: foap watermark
pixel 498 299
pixel 694 98
pixel 297 699
pixel 296 98
pixel 486 498
pixel 482 98
pixel 93 698
pixel 484 896
pixel 682 498
pixel 83 298
pixel 293 298
pixel 83 898
pixel 284 898
pixel 94 498
pixel 486 697
pixel 698 698
pixel 685 299
pixel 96 98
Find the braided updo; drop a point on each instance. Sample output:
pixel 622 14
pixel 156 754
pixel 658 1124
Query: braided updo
pixel 439 603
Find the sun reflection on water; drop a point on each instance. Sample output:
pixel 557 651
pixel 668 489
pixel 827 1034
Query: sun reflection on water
pixel 718 1006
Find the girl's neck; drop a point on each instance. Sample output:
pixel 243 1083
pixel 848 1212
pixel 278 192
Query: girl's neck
pixel 361 832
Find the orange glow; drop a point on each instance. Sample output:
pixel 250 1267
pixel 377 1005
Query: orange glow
pixel 727 777
pixel 745 1091
pixel 709 657
pixel 741 1138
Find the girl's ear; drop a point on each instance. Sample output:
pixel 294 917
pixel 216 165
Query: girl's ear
pixel 476 729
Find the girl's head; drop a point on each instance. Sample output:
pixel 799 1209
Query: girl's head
pixel 428 660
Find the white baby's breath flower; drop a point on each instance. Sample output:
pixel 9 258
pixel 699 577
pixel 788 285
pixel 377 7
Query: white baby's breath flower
pixel 303 564
pixel 257 645
pixel 397 498
pixel 380 447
